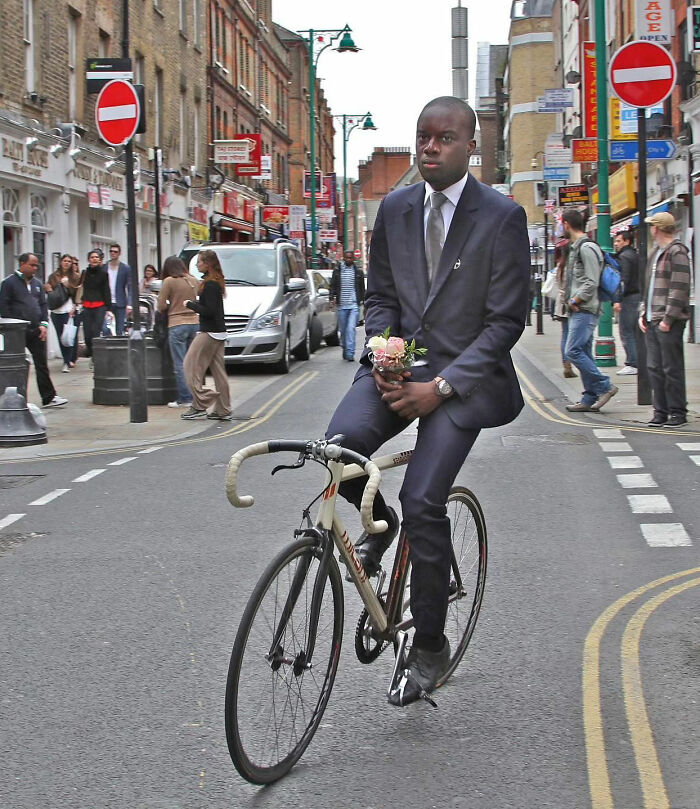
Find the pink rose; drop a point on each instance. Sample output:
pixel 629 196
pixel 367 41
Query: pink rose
pixel 395 347
pixel 378 356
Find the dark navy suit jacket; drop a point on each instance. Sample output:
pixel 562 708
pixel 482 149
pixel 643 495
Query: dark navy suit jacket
pixel 473 313
pixel 123 285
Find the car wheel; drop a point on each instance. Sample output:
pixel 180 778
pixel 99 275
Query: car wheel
pixel 303 350
pixel 282 365
pixel 316 333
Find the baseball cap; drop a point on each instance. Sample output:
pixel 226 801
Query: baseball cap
pixel 661 219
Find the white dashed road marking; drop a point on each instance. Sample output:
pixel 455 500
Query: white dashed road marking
pixel 47 498
pixel 10 519
pixel 695 459
pixel 689 447
pixel 93 473
pixel 665 535
pixel 620 446
pixel 608 433
pixel 150 449
pixel 625 461
pixel 122 461
pixel 649 504
pixel 637 482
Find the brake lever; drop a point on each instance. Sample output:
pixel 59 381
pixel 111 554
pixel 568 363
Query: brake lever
pixel 301 460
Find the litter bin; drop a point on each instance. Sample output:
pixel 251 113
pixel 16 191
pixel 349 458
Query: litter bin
pixel 14 368
pixel 111 372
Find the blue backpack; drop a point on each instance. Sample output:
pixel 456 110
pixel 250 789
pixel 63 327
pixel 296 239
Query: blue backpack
pixel 610 286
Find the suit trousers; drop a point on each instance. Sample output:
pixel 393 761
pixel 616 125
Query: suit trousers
pixel 206 352
pixel 666 367
pixel 440 451
pixel 37 348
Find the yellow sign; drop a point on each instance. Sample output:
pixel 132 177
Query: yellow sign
pixel 198 232
pixel 622 186
pixel 616 132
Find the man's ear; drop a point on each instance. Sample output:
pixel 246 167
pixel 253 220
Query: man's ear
pixel 471 146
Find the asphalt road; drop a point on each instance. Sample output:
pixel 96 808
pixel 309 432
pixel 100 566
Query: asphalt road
pixel 121 598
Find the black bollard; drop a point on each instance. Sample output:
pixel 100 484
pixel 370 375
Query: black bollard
pixel 18 428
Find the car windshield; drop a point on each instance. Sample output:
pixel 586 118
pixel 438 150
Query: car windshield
pixel 247 266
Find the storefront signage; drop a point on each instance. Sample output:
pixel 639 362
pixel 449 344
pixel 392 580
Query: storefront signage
pixel 265 168
pixel 197 232
pixel 29 162
pixel 233 205
pixel 573 195
pixel 198 213
pixel 590 87
pixel 275 215
pixel 327 198
pixel 653 21
pixel 249 210
pixel 93 195
pixel 328 235
pixel 106 198
pixel 584 150
pixel 297 215
pixel 693 23
pixel 82 171
pixel 244 151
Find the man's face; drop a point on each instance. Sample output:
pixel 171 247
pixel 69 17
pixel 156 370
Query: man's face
pixel 444 144
pixel 114 253
pixel 94 260
pixel 619 243
pixel 348 256
pixel 29 267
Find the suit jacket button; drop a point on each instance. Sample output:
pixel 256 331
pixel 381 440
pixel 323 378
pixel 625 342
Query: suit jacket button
pixel 426 326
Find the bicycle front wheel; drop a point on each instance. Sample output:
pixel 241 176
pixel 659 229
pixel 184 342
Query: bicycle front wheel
pixel 275 696
pixel 467 574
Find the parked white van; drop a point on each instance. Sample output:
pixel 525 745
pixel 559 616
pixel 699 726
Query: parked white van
pixel 266 308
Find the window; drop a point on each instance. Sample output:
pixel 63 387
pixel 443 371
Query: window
pixel 183 128
pixel 196 22
pixel 29 77
pixel 195 133
pixel 104 45
pixel 183 16
pixel 72 67
pixel 158 106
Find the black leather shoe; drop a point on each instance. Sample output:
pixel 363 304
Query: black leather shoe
pixel 657 420
pixel 371 547
pixel 676 420
pixel 423 670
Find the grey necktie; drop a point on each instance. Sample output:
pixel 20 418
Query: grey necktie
pixel 434 232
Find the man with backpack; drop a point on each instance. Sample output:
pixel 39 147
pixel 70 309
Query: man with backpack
pixel 581 281
pixel 664 311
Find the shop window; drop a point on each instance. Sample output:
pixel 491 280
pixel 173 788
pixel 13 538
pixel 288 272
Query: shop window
pixel 39 220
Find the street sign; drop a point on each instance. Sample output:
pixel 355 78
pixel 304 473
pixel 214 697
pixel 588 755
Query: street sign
pixel 589 90
pixel 622 150
pixel 693 23
pixel 357 253
pixel 100 71
pixel 573 195
pixel 584 150
pixel 642 74
pixel 556 174
pixel 117 112
pixel 653 21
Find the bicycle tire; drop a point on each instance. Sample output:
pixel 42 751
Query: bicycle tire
pixel 252 722
pixel 470 551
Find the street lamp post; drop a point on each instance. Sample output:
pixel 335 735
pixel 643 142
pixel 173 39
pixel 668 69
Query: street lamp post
pixel 540 276
pixel 346 44
pixel 367 124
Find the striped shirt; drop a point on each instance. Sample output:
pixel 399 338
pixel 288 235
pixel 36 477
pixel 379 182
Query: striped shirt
pixel 348 296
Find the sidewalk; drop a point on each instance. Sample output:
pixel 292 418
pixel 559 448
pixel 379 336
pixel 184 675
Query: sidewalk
pixel 81 426
pixel 543 351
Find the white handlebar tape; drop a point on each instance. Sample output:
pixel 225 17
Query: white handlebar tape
pixel 375 477
pixel 244 500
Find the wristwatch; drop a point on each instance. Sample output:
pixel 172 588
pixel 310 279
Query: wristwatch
pixel 443 388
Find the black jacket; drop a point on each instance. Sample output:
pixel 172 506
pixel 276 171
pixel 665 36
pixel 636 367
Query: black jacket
pixel 21 303
pixel 96 286
pixel 629 269
pixel 359 285
pixel 210 308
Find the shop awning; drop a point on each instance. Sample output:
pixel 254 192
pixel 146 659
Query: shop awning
pixel 631 221
pixel 229 223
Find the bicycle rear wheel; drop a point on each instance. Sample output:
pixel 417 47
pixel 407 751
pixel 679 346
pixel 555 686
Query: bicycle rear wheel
pixel 274 700
pixel 468 574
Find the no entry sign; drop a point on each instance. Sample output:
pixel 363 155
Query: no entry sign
pixel 642 74
pixel 117 112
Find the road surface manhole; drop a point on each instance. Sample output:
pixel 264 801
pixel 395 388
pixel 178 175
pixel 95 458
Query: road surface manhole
pixel 13 481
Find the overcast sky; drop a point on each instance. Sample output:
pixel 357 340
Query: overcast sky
pixel 404 62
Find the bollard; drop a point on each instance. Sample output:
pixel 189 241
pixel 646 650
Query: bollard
pixel 14 368
pixel 18 428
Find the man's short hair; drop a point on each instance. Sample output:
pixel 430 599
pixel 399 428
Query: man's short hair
pixel 626 235
pixel 454 103
pixel 574 218
pixel 114 244
pixel 23 258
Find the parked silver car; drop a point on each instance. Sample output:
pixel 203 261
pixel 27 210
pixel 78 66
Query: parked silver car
pixel 324 321
pixel 267 308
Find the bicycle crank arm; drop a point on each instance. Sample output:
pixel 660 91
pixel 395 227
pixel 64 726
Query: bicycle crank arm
pixel 402 640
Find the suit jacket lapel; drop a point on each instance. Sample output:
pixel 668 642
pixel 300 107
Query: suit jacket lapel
pixel 462 224
pixel 415 239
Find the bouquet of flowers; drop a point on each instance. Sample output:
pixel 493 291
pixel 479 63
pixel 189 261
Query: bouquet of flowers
pixel 392 355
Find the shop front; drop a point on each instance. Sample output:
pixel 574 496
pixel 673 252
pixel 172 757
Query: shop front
pixel 234 217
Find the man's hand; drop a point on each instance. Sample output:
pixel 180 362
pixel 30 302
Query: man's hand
pixel 42 332
pixel 128 310
pixel 642 325
pixel 617 307
pixel 663 326
pixel 410 400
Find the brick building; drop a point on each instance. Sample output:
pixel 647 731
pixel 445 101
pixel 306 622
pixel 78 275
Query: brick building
pixel 62 189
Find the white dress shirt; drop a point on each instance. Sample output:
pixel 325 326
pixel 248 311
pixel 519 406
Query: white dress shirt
pixel 453 193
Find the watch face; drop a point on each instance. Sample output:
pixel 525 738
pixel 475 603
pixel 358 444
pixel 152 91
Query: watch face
pixel 444 388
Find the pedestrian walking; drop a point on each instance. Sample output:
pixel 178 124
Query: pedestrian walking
pixel 664 311
pixel 628 307
pixel 348 294
pixel 150 273
pixel 560 310
pixel 96 299
pixel 119 287
pixel 183 323
pixel 61 291
pixel 22 296
pixel 448 268
pixel 583 269
pixel 207 348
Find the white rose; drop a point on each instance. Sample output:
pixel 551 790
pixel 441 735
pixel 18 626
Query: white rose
pixel 377 343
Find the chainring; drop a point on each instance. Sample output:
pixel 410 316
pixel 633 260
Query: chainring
pixel 364 654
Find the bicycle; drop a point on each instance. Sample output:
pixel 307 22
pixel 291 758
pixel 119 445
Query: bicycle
pixel 289 638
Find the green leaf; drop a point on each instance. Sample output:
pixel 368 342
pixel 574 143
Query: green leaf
pixel 386 333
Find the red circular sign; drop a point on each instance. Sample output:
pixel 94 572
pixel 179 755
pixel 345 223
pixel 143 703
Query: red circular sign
pixel 117 112
pixel 358 253
pixel 642 74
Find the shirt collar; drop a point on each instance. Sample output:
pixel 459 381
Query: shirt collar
pixel 452 192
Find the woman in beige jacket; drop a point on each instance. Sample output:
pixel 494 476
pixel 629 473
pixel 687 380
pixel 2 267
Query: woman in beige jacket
pixel 183 324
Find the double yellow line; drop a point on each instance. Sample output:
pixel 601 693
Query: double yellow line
pixel 646 759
